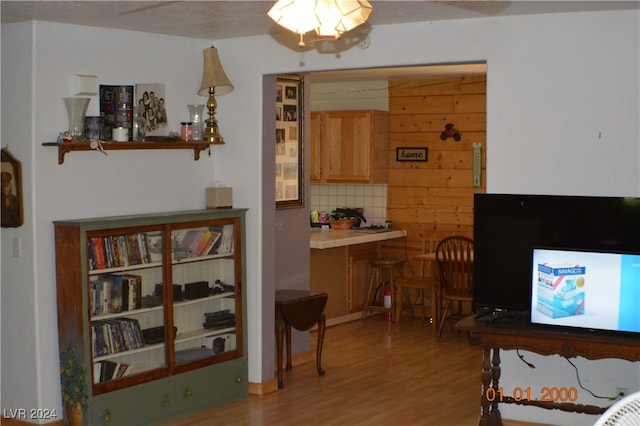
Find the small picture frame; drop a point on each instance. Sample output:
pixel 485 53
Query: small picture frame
pixel 12 207
pixel 152 106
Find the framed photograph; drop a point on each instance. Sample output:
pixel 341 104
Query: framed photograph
pixel 289 131
pixel 12 215
pixel 152 105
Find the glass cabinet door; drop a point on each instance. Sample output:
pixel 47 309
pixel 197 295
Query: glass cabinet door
pixel 126 311
pixel 203 271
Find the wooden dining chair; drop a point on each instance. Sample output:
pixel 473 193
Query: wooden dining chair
pixel 424 284
pixel 454 256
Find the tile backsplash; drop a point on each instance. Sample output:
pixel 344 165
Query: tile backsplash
pixel 373 198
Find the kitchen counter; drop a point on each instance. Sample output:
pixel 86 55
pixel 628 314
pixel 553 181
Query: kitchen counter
pixel 330 238
pixel 340 267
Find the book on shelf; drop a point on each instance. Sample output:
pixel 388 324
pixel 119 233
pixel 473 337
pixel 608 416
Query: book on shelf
pixel 209 239
pixel 133 250
pixel 213 242
pixel 196 242
pixel 106 370
pixel 116 250
pixel 146 247
pixel 100 294
pixel 105 294
pixel 96 250
pixel 116 335
pixel 203 243
pixel 123 250
pixel 132 286
pixel 214 247
pixel 154 243
pixel 190 240
pixel 114 293
pixel 227 243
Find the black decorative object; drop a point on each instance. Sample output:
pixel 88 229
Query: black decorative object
pixel 450 132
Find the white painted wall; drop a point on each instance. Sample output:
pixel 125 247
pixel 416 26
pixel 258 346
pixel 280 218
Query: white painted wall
pixel 554 84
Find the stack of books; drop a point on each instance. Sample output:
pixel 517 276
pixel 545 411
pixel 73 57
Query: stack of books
pixel 116 335
pixel 114 293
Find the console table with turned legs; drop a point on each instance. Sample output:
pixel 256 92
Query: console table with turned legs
pixel 519 334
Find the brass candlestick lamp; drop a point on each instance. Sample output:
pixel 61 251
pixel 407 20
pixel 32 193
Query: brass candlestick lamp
pixel 214 81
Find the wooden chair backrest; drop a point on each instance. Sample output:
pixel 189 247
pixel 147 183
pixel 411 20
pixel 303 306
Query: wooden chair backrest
pixel 455 261
pixel 428 246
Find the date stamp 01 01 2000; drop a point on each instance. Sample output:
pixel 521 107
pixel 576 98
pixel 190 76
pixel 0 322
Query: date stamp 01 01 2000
pixel 29 413
pixel 551 394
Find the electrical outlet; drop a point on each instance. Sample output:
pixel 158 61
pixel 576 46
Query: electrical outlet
pixel 17 247
pixel 622 391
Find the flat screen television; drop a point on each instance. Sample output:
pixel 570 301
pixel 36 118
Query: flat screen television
pixel 585 289
pixel 508 226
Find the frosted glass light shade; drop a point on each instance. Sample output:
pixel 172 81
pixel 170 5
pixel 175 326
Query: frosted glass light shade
pixel 326 17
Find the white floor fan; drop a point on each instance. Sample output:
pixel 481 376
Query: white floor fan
pixel 625 412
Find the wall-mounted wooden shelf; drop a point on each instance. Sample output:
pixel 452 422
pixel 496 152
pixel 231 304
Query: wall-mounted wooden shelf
pixel 65 147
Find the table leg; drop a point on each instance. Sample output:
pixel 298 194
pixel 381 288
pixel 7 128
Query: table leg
pixel 486 383
pixel 435 306
pixel 398 311
pixel 279 336
pixel 321 325
pixel 288 338
pixel 490 394
pixel 496 418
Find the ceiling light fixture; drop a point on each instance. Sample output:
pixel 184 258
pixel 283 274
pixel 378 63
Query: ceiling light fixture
pixel 327 17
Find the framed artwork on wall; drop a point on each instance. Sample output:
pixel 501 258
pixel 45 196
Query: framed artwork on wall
pixel 289 151
pixel 12 214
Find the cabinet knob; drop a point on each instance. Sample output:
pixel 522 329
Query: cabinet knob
pixel 107 416
pixel 238 379
pixel 188 392
pixel 165 401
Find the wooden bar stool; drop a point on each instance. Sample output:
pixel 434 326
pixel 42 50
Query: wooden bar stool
pixel 381 278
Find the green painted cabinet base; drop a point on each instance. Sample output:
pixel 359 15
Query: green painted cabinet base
pixel 173 397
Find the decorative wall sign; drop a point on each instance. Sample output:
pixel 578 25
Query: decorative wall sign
pixel 412 154
pixel 12 216
pixel 289 126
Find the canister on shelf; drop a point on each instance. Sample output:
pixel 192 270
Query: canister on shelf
pixel 186 131
pixel 120 134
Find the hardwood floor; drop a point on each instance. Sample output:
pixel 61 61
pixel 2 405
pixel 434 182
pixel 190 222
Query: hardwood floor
pixel 377 373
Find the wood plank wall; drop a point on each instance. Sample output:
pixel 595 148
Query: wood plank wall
pixel 434 199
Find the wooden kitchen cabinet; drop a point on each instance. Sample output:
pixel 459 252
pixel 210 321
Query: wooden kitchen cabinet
pixel 329 275
pixel 360 273
pixel 349 146
pixel 343 273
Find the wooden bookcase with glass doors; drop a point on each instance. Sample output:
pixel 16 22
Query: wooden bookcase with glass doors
pixel 153 307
